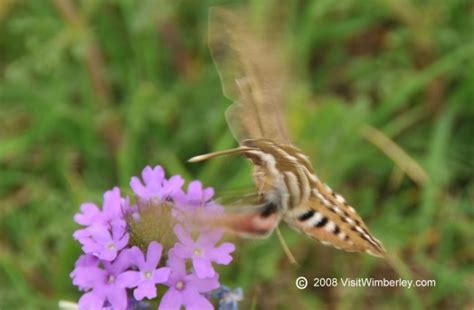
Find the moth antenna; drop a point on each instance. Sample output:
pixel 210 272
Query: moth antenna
pixel 207 156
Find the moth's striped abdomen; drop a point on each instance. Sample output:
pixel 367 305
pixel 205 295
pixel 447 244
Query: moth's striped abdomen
pixel 310 206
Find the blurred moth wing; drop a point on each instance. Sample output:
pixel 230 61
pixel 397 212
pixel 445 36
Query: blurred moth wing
pixel 247 217
pixel 252 74
pixel 248 221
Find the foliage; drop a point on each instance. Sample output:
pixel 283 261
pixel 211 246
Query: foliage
pixel 92 91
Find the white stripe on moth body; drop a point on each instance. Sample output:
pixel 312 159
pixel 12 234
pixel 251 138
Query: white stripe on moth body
pixel 330 226
pixel 285 154
pixel 369 237
pixel 315 219
pixel 303 158
pixel 340 199
pixel 342 235
pixel 314 179
pixel 305 186
pixel 331 206
pixel 293 187
pixel 300 169
pixel 303 192
pixel 280 193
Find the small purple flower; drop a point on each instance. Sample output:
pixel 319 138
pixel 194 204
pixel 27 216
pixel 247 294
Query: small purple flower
pixel 90 214
pixel 196 195
pixel 155 187
pixel 185 289
pixel 111 210
pixel 148 275
pixel 104 283
pixel 189 204
pixel 102 242
pixel 80 275
pixel 203 251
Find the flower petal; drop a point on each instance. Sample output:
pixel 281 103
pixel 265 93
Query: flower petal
pixel 138 187
pixel 195 190
pixel 87 260
pixel 117 297
pixel 100 234
pixel 153 255
pixel 89 212
pixel 145 289
pixel 129 279
pixel 183 251
pixel 111 208
pixel 122 242
pixel 89 246
pixel 136 257
pixel 183 235
pixel 208 193
pixel 221 254
pixel 87 277
pixel 123 261
pixel 171 300
pixel 178 267
pixel 202 285
pixel 209 238
pixel 91 300
pixel 195 301
pixel 172 186
pixel 161 275
pixel 148 175
pixel 81 235
pixel 203 267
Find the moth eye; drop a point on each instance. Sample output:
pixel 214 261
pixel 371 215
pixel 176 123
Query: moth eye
pixel 255 159
pixel 249 143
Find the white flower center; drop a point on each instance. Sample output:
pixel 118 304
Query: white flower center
pixel 179 285
pixel 110 279
pixel 147 275
pixel 197 252
pixel 111 247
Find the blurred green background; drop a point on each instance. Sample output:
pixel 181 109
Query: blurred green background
pixel 92 91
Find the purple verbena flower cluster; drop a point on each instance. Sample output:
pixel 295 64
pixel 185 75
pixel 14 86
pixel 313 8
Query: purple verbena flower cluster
pixel 114 273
